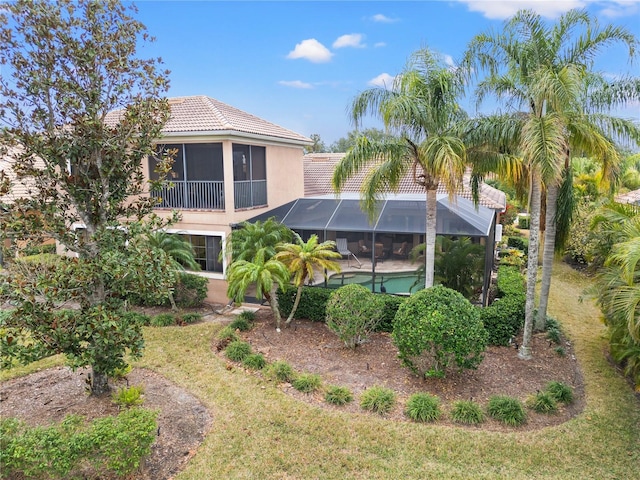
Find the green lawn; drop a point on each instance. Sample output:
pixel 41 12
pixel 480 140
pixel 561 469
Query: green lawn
pixel 260 432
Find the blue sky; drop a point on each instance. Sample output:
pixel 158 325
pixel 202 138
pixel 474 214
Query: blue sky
pixel 300 63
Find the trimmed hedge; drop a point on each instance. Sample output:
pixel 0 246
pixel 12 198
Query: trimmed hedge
pixel 505 316
pixel 521 243
pixel 191 290
pixel 314 300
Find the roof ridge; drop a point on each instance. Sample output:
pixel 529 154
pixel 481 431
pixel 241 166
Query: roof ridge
pixel 212 103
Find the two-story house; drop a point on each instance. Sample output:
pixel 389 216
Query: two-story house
pixel 229 166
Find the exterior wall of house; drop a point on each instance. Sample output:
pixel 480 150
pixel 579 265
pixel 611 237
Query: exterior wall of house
pixel 285 182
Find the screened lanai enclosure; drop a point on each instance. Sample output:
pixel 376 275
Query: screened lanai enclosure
pixel 398 225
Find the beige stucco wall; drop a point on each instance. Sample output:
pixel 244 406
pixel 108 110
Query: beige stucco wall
pixel 285 182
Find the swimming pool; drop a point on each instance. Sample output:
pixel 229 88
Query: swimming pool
pixel 396 282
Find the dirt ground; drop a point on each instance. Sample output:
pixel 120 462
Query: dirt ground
pixel 312 347
pixel 47 396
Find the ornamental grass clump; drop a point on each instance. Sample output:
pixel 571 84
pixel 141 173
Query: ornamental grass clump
pixel 542 402
pixel 307 382
pixel 561 392
pixel 437 330
pixel 337 395
pixel 353 312
pixel 237 350
pixel 378 399
pixel 163 320
pixel 423 407
pixel 467 412
pixel 254 361
pixel 279 371
pixel 508 410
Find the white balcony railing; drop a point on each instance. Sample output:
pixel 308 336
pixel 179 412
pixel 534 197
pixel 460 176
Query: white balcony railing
pixel 204 195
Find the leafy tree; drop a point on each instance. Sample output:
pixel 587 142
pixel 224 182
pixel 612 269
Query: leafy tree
pixel 422 110
pixel 343 144
pixel 79 113
pixel 318 145
pixel 264 273
pixel 303 258
pixel 546 70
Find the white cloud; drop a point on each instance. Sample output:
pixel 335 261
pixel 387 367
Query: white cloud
pixel 620 8
pixel 448 59
pixel 311 50
pixel 502 9
pixel 379 44
pixel 383 80
pixel 295 84
pixel 351 40
pixel 383 18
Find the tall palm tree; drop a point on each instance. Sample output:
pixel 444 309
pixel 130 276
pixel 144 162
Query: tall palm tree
pixel 245 242
pixel 421 110
pixel 266 274
pixel 303 258
pixel 544 70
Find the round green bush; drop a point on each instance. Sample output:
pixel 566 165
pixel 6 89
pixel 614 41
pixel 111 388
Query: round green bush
pixel 508 410
pixel 337 395
pixel 353 313
pixel 466 411
pixel 237 350
pixel 378 399
pixel 423 407
pixel 437 329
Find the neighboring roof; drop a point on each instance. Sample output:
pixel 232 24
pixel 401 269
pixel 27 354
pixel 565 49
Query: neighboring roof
pixel 398 213
pixel 205 115
pixel 632 197
pixel 318 171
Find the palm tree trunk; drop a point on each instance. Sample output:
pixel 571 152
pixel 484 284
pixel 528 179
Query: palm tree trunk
pixel 296 302
pixel 532 265
pixel 430 238
pixel 547 254
pixel 273 303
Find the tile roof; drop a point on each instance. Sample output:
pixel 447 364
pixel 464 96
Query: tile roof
pixel 318 171
pixel 202 114
pixel 632 197
pixel 18 189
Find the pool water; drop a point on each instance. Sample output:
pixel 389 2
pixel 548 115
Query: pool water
pixel 397 282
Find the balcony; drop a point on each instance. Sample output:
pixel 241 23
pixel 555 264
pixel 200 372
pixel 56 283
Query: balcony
pixel 250 193
pixel 201 195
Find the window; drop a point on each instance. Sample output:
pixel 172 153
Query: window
pixel 249 176
pixel 207 250
pixel 197 175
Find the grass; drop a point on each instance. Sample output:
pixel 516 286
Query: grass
pixel 294 440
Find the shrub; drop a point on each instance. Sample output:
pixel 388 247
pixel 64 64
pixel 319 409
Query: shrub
pixel 189 318
pixel 467 411
pixel 337 395
pixel 560 392
pixel 423 407
pixel 438 328
pixel 524 222
pixel 391 305
pixel 504 318
pixel 127 397
pixel 254 361
pixel 508 410
pixel 353 313
pixel 190 291
pixel 137 317
pixel 113 445
pixel 521 243
pixel 313 302
pixel 542 402
pixel 237 350
pixel 163 320
pixel 247 315
pixel 554 330
pixel 307 382
pixel 279 371
pixel 378 399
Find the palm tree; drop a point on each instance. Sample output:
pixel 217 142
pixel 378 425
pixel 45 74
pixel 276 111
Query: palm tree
pixel 266 274
pixel 179 251
pixel 246 241
pixel 545 70
pixel 421 110
pixel 303 258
